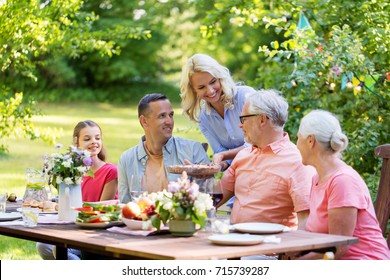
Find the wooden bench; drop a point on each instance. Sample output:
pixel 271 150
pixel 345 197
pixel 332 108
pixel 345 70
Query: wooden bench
pixel 382 202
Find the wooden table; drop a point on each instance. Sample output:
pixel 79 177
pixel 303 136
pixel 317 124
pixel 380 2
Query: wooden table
pixel 165 246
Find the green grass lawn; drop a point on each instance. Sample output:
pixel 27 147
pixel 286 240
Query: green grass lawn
pixel 121 130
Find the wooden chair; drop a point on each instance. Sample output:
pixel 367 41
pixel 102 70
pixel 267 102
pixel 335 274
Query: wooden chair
pixel 382 202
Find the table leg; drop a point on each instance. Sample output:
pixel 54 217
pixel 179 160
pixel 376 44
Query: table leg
pixel 61 253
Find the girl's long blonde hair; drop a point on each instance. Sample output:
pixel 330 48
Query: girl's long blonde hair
pixel 190 101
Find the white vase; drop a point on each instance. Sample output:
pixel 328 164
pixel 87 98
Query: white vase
pixel 69 197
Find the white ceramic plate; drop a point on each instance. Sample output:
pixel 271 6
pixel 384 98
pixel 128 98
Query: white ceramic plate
pixel 51 212
pixel 99 225
pixel 10 216
pixel 236 239
pixel 259 227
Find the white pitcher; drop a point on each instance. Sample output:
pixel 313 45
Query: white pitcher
pixel 69 198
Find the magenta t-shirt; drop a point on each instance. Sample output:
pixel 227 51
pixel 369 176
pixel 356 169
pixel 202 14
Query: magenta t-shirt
pixel 92 188
pixel 347 189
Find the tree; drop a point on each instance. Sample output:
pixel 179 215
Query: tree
pixel 143 65
pixel 31 33
pixel 332 55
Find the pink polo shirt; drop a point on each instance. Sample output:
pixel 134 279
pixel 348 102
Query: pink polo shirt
pixel 347 189
pixel 270 185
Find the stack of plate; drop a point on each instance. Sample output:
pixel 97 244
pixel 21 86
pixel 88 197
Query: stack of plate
pixel 247 239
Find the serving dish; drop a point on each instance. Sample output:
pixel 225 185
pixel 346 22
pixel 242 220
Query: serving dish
pixel 99 225
pixel 194 169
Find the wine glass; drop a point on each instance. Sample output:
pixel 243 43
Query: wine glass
pixel 213 187
pixel 137 186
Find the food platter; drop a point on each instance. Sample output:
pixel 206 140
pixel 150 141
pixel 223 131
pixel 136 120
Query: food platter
pixel 236 239
pixel 99 225
pixel 259 227
pixel 9 216
pixel 195 169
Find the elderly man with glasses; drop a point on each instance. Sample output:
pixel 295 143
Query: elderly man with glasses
pixel 269 181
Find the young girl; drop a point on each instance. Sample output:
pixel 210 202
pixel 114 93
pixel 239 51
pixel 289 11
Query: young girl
pixel 87 135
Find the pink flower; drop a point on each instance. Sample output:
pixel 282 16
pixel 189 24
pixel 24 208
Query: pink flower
pixel 194 190
pixel 87 161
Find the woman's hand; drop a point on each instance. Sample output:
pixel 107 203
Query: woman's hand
pixel 218 158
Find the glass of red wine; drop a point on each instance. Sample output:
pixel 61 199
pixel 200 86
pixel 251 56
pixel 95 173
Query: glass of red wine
pixel 213 188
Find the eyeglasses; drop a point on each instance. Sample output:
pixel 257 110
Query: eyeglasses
pixel 247 116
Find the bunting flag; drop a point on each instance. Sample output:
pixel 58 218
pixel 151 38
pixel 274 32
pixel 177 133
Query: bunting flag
pixel 356 83
pixel 345 79
pixel 370 81
pixel 303 22
pixel 350 80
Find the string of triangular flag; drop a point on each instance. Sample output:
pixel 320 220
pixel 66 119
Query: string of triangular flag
pixel 350 80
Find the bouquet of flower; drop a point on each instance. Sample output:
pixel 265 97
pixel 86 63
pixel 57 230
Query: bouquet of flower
pixel 69 167
pixel 182 201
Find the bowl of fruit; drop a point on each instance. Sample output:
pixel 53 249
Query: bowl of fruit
pixel 137 224
pixel 136 214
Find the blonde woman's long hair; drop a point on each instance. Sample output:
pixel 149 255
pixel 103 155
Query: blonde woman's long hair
pixel 190 101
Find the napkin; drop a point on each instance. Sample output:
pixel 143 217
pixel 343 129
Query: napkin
pixel 272 239
pixel 126 230
pixel 51 219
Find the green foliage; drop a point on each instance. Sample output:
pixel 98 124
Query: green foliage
pixel 15 120
pixel 32 33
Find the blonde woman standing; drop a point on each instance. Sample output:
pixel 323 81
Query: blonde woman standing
pixel 211 98
pixel 340 202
